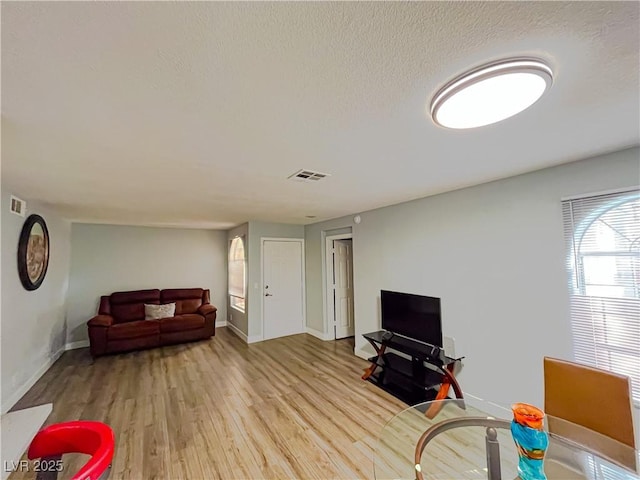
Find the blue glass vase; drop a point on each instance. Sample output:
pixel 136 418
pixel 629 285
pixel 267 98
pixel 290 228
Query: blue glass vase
pixel 531 441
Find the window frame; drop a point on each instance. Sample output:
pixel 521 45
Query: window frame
pixel 236 301
pixel 602 322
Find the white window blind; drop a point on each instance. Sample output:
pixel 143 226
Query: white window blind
pixel 603 262
pixel 237 272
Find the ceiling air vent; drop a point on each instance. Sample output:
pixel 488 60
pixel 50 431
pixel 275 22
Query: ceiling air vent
pixel 307 176
pixel 18 206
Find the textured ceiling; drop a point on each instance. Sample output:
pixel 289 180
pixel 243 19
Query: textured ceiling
pixel 194 114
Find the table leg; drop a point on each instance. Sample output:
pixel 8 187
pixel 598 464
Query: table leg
pixel 379 352
pixel 448 380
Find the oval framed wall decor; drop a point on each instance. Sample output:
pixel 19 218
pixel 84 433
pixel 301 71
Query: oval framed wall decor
pixel 33 252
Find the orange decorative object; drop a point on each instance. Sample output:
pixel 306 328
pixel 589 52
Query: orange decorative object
pixel 530 439
pixel 528 415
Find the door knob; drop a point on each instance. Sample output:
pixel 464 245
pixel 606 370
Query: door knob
pixel 268 295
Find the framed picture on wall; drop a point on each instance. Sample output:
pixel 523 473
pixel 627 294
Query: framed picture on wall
pixel 33 252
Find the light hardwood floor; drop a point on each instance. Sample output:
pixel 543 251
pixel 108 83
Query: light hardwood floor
pixel 293 407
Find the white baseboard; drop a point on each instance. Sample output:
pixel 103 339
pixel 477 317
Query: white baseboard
pixel 24 388
pixel 362 354
pixel 17 395
pixel 221 323
pixel 318 334
pixel 237 331
pixel 75 345
pixel 243 336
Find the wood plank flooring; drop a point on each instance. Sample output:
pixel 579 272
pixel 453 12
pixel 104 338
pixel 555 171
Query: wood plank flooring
pixel 293 407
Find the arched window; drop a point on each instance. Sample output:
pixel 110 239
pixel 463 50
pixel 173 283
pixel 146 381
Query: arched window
pixel 603 234
pixel 237 274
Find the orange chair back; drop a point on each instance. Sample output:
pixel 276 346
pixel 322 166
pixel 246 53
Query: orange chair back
pixel 592 398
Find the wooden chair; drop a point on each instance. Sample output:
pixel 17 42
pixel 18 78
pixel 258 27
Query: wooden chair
pixel 592 398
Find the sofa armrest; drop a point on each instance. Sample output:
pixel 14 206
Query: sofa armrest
pixel 101 321
pixel 209 312
pixel 206 309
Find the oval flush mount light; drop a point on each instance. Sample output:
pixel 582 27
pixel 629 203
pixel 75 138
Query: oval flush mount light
pixel 491 93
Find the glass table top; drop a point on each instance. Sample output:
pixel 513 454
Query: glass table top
pixel 458 451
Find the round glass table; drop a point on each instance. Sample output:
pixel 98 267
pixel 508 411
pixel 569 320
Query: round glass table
pixel 450 439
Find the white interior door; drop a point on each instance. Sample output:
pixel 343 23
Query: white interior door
pixel 282 274
pixel 343 288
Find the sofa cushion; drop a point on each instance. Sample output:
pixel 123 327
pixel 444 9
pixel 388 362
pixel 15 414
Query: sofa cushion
pixel 140 328
pixel 127 312
pixel 129 306
pixel 187 300
pixel 171 294
pixel 186 307
pixel 135 296
pixel 181 322
pixel 159 311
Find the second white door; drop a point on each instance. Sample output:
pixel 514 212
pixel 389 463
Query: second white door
pixel 343 288
pixel 283 289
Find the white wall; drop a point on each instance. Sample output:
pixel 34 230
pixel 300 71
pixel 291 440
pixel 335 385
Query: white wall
pixel 248 324
pixel 258 231
pixel 315 261
pixel 108 258
pixel 494 253
pixel 33 322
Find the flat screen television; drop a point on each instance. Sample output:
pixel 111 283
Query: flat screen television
pixel 413 316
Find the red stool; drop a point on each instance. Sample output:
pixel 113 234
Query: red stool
pixel 91 438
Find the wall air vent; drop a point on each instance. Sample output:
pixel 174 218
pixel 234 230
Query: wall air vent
pixel 307 176
pixel 17 206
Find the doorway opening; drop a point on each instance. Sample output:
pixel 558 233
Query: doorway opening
pixel 339 286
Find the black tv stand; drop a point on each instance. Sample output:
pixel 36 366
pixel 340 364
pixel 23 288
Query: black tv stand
pixel 428 375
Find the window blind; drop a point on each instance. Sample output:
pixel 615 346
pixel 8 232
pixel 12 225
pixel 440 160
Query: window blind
pixel 603 263
pixel 237 268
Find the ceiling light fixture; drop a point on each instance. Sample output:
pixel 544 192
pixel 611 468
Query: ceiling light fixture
pixel 491 93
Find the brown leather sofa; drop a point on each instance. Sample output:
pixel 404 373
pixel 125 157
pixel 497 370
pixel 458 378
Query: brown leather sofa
pixel 120 325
